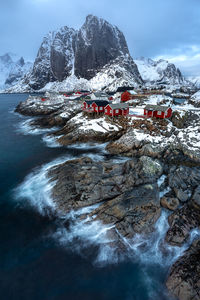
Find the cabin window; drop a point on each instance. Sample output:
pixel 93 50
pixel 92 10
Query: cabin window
pixel 159 113
pixel 100 108
pixel 117 111
pixel 106 110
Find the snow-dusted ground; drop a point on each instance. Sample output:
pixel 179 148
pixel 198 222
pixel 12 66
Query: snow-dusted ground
pixel 98 125
pixel 189 137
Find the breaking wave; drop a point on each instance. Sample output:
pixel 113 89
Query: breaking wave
pixel 36 187
pixel 79 232
pixel 51 141
pixel 26 128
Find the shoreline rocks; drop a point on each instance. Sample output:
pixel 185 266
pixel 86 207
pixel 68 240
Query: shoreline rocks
pixel 184 277
pixel 128 193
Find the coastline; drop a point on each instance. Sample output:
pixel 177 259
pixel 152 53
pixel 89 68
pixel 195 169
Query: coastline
pixel 152 156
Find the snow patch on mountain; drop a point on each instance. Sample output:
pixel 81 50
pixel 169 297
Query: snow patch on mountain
pixel 196 97
pixel 160 71
pixel 195 80
pixel 12 69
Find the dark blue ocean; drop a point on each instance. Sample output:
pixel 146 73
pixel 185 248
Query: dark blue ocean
pixel 37 258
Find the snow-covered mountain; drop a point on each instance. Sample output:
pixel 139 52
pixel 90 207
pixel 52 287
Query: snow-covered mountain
pixel 97 47
pixel 195 80
pixel 159 72
pixel 12 69
pixel 94 57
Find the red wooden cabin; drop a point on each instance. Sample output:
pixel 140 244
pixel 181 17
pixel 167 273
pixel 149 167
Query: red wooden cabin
pixel 128 95
pixel 87 106
pixel 119 109
pixel 157 111
pixel 97 106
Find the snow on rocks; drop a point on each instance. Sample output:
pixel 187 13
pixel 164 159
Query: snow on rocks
pixel 196 98
pixel 154 140
pixel 99 124
pixel 35 106
pixel 81 128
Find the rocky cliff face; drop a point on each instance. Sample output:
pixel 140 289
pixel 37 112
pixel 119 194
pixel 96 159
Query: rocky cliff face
pixel 97 44
pixel 54 60
pixel 82 53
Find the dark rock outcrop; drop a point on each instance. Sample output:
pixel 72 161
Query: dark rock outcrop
pixel 184 277
pixel 128 192
pixel 184 182
pixel 181 222
pixel 135 211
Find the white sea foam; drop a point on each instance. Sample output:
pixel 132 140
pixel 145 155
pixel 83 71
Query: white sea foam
pixel 36 187
pixel 89 146
pixel 51 141
pixel 26 128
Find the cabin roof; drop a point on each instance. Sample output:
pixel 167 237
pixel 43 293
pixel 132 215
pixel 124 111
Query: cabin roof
pixel 156 107
pixel 119 106
pixel 98 102
pixel 89 101
pixel 101 102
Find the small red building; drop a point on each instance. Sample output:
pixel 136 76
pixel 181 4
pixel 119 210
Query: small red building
pixel 119 109
pixel 87 106
pixel 157 111
pixel 128 95
pixel 97 106
pixel 44 98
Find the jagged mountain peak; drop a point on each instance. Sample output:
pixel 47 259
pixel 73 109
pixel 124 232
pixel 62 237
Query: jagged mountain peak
pixel 82 52
pixel 21 62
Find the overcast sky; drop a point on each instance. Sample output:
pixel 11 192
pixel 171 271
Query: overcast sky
pixel 153 28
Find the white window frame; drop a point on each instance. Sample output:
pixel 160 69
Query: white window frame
pixel 116 111
pixel 100 108
pixel 159 113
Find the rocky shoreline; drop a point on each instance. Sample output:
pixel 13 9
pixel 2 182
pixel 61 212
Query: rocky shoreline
pixel 162 172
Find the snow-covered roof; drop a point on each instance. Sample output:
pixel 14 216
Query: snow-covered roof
pixel 156 107
pixel 119 106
